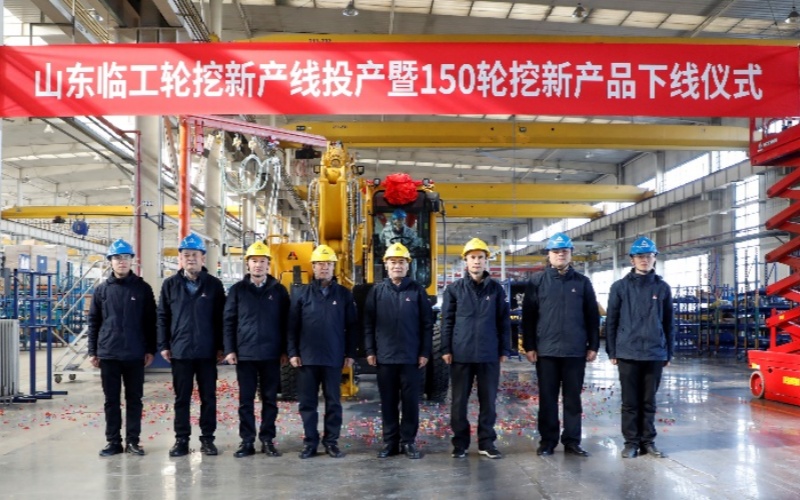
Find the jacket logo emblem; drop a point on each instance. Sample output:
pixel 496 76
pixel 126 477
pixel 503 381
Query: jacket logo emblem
pixel 270 297
pixel 655 298
pixel 488 298
pixel 408 299
pixel 334 302
pixel 134 298
pixel 573 290
pixel 202 295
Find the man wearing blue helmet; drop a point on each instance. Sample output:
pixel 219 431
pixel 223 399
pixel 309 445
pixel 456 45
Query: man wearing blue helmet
pixel 639 341
pixel 561 332
pixel 122 342
pixel 396 231
pixel 190 337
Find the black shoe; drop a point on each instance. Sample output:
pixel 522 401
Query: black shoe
pixel 575 449
pixel 207 447
pixel 111 449
pixel 269 449
pixel 134 449
pixel 411 451
pixel 308 451
pixel 333 451
pixel 459 452
pixel 245 450
pixel 491 452
pixel 544 450
pixel 389 450
pixel 630 451
pixel 650 449
pixel 180 448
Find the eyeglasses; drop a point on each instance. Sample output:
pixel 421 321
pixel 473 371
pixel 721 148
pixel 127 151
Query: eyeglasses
pixel 124 257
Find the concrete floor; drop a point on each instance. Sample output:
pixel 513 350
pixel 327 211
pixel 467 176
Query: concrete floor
pixel 721 444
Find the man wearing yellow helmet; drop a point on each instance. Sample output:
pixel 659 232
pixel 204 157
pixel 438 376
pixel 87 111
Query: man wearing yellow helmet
pixel 398 336
pixel 255 319
pixel 476 336
pixel 321 340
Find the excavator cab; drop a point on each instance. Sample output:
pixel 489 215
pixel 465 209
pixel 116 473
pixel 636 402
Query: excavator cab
pixel 410 225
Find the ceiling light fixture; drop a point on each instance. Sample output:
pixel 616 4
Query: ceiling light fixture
pixel 579 12
pixel 48 129
pixel 350 10
pixel 95 15
pixel 558 177
pixel 793 17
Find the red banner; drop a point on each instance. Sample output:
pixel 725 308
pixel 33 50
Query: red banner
pixel 401 78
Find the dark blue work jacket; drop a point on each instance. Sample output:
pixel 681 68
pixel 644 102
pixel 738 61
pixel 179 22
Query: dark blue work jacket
pixel 398 322
pixel 190 325
pixel 639 321
pixel 559 315
pixel 322 328
pixel 122 319
pixel 256 319
pixel 476 321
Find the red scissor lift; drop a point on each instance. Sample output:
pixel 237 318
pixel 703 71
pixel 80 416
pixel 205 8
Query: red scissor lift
pixel 776 375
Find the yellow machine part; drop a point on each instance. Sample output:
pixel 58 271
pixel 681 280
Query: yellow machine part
pixel 285 256
pixel 348 386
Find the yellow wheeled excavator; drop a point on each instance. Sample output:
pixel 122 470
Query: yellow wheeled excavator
pixel 358 218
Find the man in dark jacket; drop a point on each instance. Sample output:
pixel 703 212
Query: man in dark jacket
pixel 561 332
pixel 639 340
pixel 122 342
pixel 476 336
pixel 322 340
pixel 256 314
pixel 190 338
pixel 398 336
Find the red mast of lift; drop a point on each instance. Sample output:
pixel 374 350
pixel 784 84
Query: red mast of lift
pixel 776 375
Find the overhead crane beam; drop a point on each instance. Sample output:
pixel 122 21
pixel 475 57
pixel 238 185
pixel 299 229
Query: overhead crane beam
pixel 541 192
pixel 530 135
pixel 522 210
pixel 87 211
pixel 579 193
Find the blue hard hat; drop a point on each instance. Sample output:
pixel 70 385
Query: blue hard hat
pixel 399 214
pixel 120 247
pixel 558 241
pixel 192 242
pixel 643 245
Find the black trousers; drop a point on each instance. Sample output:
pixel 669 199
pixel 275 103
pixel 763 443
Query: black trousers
pixel 114 373
pixel 462 376
pixel 184 371
pixel 639 381
pixel 309 379
pixel 399 387
pixel 267 376
pixel 564 375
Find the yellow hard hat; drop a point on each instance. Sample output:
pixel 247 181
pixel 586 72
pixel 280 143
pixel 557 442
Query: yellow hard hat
pixel 397 250
pixel 258 249
pixel 323 253
pixel 475 244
